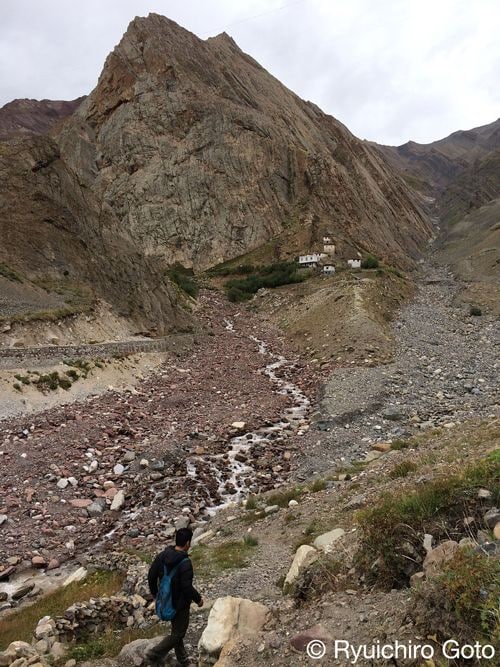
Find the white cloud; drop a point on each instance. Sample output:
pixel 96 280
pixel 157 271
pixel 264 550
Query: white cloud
pixel 390 70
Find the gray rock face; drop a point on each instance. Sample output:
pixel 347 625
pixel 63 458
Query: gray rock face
pixel 189 151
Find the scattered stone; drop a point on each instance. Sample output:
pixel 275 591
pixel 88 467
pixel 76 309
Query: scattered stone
pixel 292 503
pixel 53 564
pixel 5 573
pixel 202 538
pixel 393 413
pixel 3 518
pixel 128 457
pixel 496 531
pixel 416 579
pixel 38 561
pixel 484 494
pixel 238 425
pixel 271 509
pixel 119 469
pixel 134 654
pixel 62 483
pixel 97 507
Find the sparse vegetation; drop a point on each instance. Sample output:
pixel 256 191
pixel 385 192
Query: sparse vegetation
pixel 401 444
pixel 7 272
pixel 475 311
pixel 226 556
pixel 282 498
pixel 184 279
pixel 463 601
pixel 20 624
pixel 17 386
pixel 393 529
pixel 51 382
pixel 369 262
pixel 273 275
pixel 111 642
pixel 322 576
pixel 403 469
pixel 241 269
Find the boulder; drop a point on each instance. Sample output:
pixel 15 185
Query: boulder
pixel 238 425
pixel 22 591
pixel 3 518
pixel 134 654
pixel 46 627
pixel 496 531
pixel 229 618
pixel 393 413
pixel 304 557
pixel 327 540
pixel 97 507
pixel 77 575
pixel 436 558
pixel 38 561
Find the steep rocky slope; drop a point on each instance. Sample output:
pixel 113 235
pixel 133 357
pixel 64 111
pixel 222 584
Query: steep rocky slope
pixel 460 171
pixel 189 151
pixel 26 117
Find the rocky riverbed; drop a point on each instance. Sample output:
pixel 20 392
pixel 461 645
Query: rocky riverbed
pixel 128 467
pixel 444 371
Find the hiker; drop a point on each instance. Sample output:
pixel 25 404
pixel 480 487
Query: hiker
pixel 174 597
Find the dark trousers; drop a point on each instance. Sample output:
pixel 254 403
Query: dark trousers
pixel 175 640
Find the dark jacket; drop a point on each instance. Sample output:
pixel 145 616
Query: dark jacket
pixel 183 591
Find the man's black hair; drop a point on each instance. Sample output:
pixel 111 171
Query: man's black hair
pixel 183 536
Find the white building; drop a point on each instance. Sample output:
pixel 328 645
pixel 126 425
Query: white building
pixel 328 245
pixel 354 263
pixel 328 269
pixel 309 260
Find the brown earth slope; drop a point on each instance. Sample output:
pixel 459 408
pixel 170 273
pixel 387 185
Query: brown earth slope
pixel 26 117
pixel 189 151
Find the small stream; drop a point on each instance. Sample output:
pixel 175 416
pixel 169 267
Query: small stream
pixel 234 476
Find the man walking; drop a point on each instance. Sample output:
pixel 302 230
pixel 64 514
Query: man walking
pixel 183 592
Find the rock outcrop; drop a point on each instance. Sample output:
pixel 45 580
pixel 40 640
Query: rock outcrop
pixel 189 151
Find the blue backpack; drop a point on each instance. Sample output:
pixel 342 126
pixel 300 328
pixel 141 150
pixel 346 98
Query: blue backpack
pixel 164 607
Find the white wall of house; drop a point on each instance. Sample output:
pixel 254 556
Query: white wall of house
pixel 354 263
pixel 329 269
pixel 309 259
pixel 329 248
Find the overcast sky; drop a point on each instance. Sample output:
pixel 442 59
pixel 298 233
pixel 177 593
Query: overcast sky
pixel 391 70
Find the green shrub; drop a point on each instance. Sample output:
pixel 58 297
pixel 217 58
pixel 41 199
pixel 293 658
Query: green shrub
pixel 184 279
pixel 273 275
pixel 17 386
pixel 463 601
pixel 7 272
pixel 403 469
pixel 319 578
pixel 475 311
pixel 369 262
pixel 393 529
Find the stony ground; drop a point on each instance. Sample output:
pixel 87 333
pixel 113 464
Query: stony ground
pixel 57 463
pixel 444 371
pixel 442 378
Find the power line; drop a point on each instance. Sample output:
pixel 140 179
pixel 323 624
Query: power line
pixel 256 16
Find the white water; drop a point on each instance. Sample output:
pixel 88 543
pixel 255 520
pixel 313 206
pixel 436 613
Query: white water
pixel 225 468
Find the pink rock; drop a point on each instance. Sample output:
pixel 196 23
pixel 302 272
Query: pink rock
pixel 53 564
pixel 80 502
pixel 38 561
pixel 111 492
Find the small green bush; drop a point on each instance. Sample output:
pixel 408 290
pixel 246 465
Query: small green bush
pixel 273 275
pixel 7 272
pixel 403 469
pixel 393 528
pixel 322 576
pixel 463 601
pixel 369 262
pixel 184 279
pixel 475 311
